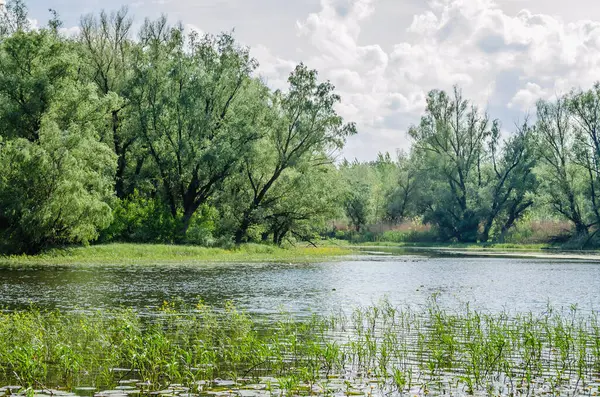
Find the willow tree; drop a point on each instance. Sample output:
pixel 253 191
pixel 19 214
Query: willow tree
pixel 511 184
pixel 584 107
pixel 562 179
pixel 451 141
pixel 304 129
pixel 402 200
pixel 56 177
pixel 35 67
pixel 197 107
pixel 107 62
pixel 13 18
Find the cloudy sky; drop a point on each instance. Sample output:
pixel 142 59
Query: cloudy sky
pixel 384 55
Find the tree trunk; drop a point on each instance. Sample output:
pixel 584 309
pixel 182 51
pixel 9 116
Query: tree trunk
pixel 121 160
pixel 580 228
pixel 188 213
pixel 280 237
pixel 242 230
pixel 485 235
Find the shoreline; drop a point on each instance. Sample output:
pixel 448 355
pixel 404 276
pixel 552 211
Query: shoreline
pixel 153 254
pixel 500 252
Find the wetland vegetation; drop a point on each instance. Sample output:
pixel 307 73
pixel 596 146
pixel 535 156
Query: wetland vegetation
pixel 140 254
pixel 375 350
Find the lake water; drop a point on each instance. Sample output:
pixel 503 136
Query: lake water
pixel 403 277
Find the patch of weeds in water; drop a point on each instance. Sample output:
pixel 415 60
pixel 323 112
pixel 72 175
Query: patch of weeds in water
pixel 377 350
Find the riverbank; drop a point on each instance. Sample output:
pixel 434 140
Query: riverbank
pixel 466 246
pixel 505 250
pixel 147 254
pixel 530 253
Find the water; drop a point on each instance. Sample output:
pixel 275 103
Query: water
pixel 404 278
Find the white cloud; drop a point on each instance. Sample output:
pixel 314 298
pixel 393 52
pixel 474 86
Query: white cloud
pixel 503 62
pixel 72 31
pixel 272 69
pixel 526 98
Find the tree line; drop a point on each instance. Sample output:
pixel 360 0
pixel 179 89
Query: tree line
pixel 471 184
pixel 163 135
pixel 168 136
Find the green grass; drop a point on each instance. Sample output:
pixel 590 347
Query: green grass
pixel 156 253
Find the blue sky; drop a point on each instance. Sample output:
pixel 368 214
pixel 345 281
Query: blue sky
pixel 384 55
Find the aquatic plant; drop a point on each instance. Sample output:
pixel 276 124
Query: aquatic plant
pixel 376 350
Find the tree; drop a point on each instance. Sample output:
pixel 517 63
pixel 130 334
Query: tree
pixel 54 191
pixel 197 109
pixel 56 178
pixel 305 206
pixel 34 68
pixel 359 180
pixel 13 18
pixel 512 184
pixel 451 139
pixel 402 199
pixel 107 55
pixel 584 108
pixel 303 131
pixel 561 179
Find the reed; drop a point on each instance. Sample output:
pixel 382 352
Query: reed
pixel 377 350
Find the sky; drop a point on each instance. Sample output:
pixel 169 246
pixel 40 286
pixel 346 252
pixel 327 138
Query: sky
pixel 383 56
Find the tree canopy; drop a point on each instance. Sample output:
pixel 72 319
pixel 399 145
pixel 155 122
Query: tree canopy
pixel 164 135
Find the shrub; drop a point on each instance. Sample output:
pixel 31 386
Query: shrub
pixel 141 219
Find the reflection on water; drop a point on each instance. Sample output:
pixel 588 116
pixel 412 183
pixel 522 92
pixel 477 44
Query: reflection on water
pixel 404 278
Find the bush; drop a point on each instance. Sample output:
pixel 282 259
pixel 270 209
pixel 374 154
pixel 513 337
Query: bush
pixel 141 220
pixel 407 232
pixel 202 226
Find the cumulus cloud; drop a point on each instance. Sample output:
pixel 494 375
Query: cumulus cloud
pixel 272 69
pixel 526 97
pixel 504 63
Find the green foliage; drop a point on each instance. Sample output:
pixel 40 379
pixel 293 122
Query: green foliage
pixel 450 142
pixel 301 130
pixel 472 184
pixel 203 226
pixel 56 178
pixel 401 198
pixel 35 70
pixel 195 348
pixel 56 190
pixel 197 111
pixel 13 18
pixel 359 205
pixel 141 219
pixel 199 150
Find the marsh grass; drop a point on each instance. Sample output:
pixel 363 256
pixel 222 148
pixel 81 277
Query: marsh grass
pixel 165 254
pixel 377 350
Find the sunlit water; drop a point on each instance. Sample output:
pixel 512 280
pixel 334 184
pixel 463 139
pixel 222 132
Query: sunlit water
pixel 404 278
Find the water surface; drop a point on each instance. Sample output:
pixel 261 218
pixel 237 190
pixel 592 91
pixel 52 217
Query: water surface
pixel 405 278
